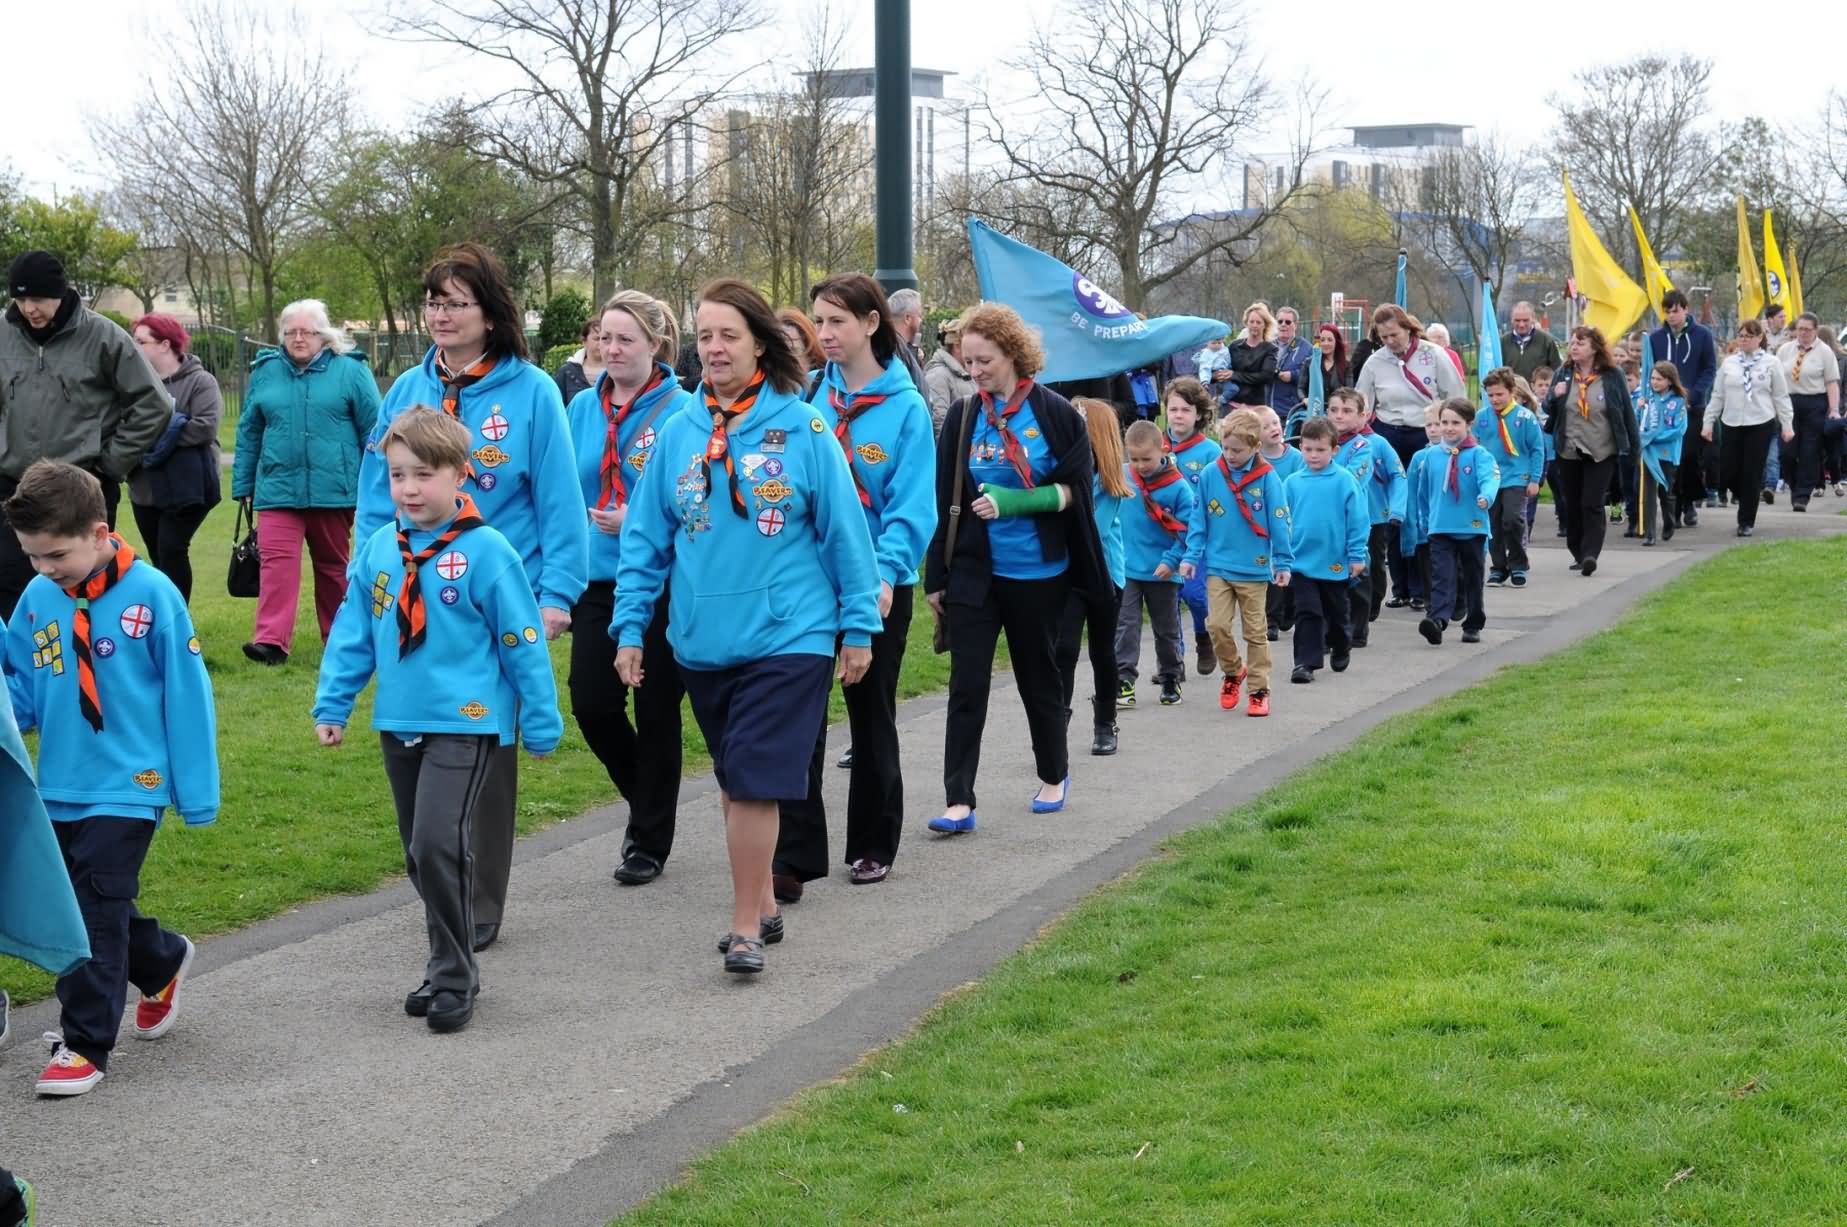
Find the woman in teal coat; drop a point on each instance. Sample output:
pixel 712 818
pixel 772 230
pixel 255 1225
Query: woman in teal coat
pixel 300 438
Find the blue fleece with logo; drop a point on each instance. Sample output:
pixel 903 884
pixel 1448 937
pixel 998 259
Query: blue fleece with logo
pixel 1528 465
pixel 894 457
pixel 1380 473
pixel 1288 464
pixel 1661 418
pixel 1013 541
pixel 1222 542
pixel 1459 513
pixel 634 443
pixel 1145 544
pixel 1329 522
pixel 1109 513
pixel 1195 459
pixel 483 667
pixel 1415 530
pixel 159 744
pixel 786 578
pixel 525 470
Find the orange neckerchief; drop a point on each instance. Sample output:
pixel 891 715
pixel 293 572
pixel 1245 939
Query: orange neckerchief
pixel 718 446
pixel 413 618
pixel 85 594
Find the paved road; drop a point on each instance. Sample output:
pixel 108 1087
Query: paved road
pixel 609 1048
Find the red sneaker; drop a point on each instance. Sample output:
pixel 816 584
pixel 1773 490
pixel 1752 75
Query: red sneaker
pixel 68 1074
pixel 1259 704
pixel 155 1015
pixel 1228 691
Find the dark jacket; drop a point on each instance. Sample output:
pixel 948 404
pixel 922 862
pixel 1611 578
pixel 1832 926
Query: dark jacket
pixel 571 379
pixel 1253 370
pixel 1615 392
pixel 1070 534
pixel 1331 378
pixel 1541 350
pixel 1368 345
pixel 1695 355
pixel 182 469
pixel 1115 389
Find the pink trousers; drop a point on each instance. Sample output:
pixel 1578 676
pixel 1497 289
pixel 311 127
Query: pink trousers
pixel 328 532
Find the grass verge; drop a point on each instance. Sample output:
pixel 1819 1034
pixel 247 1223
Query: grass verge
pixel 1563 948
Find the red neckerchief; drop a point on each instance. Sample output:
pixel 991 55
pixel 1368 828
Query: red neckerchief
pixel 718 446
pixel 91 590
pixel 613 489
pixel 413 618
pixel 1258 468
pixel 1159 514
pixel 845 410
pixel 1016 454
pixel 1453 483
pixel 1191 441
pixel 1404 364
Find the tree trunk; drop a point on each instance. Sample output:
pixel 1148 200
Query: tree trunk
pixel 602 238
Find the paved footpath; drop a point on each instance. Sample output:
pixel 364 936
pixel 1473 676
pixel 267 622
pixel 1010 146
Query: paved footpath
pixel 609 1048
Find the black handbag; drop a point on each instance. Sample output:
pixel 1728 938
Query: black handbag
pixel 246 574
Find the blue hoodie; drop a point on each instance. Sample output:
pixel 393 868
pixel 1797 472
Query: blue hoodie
pixel 1192 459
pixel 483 666
pixel 1145 544
pixel 1110 511
pixel 525 470
pixel 1329 523
pixel 1288 464
pixel 159 744
pixel 1661 417
pixel 1526 464
pixel 1222 541
pixel 1415 530
pixel 1380 473
pixel 635 444
pixel 1460 513
pixel 787 578
pixel 894 461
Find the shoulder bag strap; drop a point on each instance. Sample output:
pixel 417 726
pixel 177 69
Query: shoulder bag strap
pixel 955 499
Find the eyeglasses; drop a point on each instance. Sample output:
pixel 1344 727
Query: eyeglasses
pixel 299 334
pixel 437 306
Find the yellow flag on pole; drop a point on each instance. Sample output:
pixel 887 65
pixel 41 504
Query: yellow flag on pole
pixel 1750 286
pixel 1654 277
pixel 1607 299
pixel 1776 281
pixel 1795 282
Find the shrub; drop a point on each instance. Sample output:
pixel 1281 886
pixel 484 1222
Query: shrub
pixel 554 358
pixel 563 319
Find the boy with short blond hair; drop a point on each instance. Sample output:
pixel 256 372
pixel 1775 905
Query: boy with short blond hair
pixel 1153 547
pixel 1330 526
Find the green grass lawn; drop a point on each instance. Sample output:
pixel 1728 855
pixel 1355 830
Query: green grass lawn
pixel 1567 947
pixel 298 821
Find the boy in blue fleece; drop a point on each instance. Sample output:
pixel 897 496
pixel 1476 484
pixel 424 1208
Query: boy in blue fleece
pixel 1661 419
pixel 1465 479
pixel 1279 609
pixel 1190 441
pixel 1329 527
pixel 1377 469
pixel 1153 546
pixel 438 606
pixel 1510 432
pixel 1414 532
pixel 101 659
pixel 1238 535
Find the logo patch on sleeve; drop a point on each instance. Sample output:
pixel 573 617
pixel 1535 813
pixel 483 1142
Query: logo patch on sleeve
pixel 815 425
pixel 192 645
pixel 473 709
pixel 149 779
pixel 510 639
pixel 381 594
pixel 530 634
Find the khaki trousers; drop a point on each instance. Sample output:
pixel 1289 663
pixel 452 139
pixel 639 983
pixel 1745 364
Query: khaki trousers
pixel 1226 602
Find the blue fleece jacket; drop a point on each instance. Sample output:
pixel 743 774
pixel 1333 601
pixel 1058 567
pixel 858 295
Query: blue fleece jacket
pixel 1329 523
pixel 1109 512
pixel 483 667
pixel 1661 418
pixel 894 460
pixel 1288 464
pixel 159 744
pixel 1145 544
pixel 786 578
pixel 1415 530
pixel 1462 512
pixel 1221 540
pixel 1526 464
pixel 1379 472
pixel 525 470
pixel 1192 457
pixel 635 444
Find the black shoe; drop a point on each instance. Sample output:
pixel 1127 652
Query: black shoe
pixel 1170 692
pixel 1431 631
pixel 637 869
pixel 1416 602
pixel 1770 498
pixel 1340 661
pixel 266 654
pixel 744 955
pixel 846 760
pixel 485 936
pixel 1471 636
pixel 1103 741
pixel 1560 532
pixel 1587 568
pixel 1208 661
pixel 1397 602
pixel 1358 641
pixel 1273 634
pixel 1744 530
pixel 1648 539
pixel 417 1004
pixel 1690 518
pixel 1667 530
pixel 1802 506
pixel 6 1016
pixel 1630 532
pixel 1302 675
pixel 449 1011
pixel 1576 565
pixel 769 929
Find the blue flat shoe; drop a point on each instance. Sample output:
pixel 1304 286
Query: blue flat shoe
pixel 1052 807
pixel 953 826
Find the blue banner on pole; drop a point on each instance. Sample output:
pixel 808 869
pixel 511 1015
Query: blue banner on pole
pixel 1487 339
pixel 1087 333
pixel 1398 294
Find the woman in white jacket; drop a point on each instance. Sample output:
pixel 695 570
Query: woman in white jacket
pixel 1751 399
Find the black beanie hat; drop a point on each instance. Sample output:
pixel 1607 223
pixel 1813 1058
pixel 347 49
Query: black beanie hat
pixel 36 274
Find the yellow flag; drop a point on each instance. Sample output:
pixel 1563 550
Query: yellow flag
pixel 1776 281
pixel 1607 300
pixel 1654 277
pixel 1795 282
pixel 1750 287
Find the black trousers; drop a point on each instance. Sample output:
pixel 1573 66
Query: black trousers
pixel 1320 619
pixel 1406 441
pixel 1811 422
pixel 1366 595
pixel 1507 520
pixel 1279 607
pixel 15 568
pixel 1456 577
pixel 1099 618
pixel 875 787
pixel 1658 509
pixel 12 1201
pixel 435 785
pixel 1585 484
pixel 642 756
pixel 1692 474
pixel 104 858
pixel 167 532
pixel 1028 610
pixel 1741 465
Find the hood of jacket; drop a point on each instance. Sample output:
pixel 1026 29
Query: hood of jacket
pixel 943 358
pixel 895 378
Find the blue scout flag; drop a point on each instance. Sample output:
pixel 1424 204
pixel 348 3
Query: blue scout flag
pixel 1398 295
pixel 1488 340
pixel 39 920
pixel 1650 465
pixel 1086 332
pixel 1317 402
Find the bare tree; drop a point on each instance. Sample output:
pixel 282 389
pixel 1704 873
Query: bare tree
pixel 1470 210
pixel 1136 107
pixel 230 134
pixel 600 87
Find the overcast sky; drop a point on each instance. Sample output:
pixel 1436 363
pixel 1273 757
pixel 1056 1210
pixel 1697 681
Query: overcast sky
pixel 1489 63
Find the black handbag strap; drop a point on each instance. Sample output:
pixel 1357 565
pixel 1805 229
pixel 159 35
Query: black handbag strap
pixel 955 499
pixel 245 522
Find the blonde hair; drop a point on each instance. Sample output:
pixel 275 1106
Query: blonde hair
pixel 1243 425
pixel 1003 326
pixel 1143 433
pixel 1105 444
pixel 430 435
pixel 1523 392
pixel 652 317
pixel 1269 321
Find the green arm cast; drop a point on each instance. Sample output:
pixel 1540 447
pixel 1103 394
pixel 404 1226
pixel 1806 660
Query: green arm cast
pixel 1009 502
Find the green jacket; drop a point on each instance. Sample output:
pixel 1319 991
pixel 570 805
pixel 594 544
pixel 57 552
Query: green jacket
pixel 86 397
pixel 302 431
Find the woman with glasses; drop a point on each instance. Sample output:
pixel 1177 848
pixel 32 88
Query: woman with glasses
pixel 522 477
pixel 300 439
